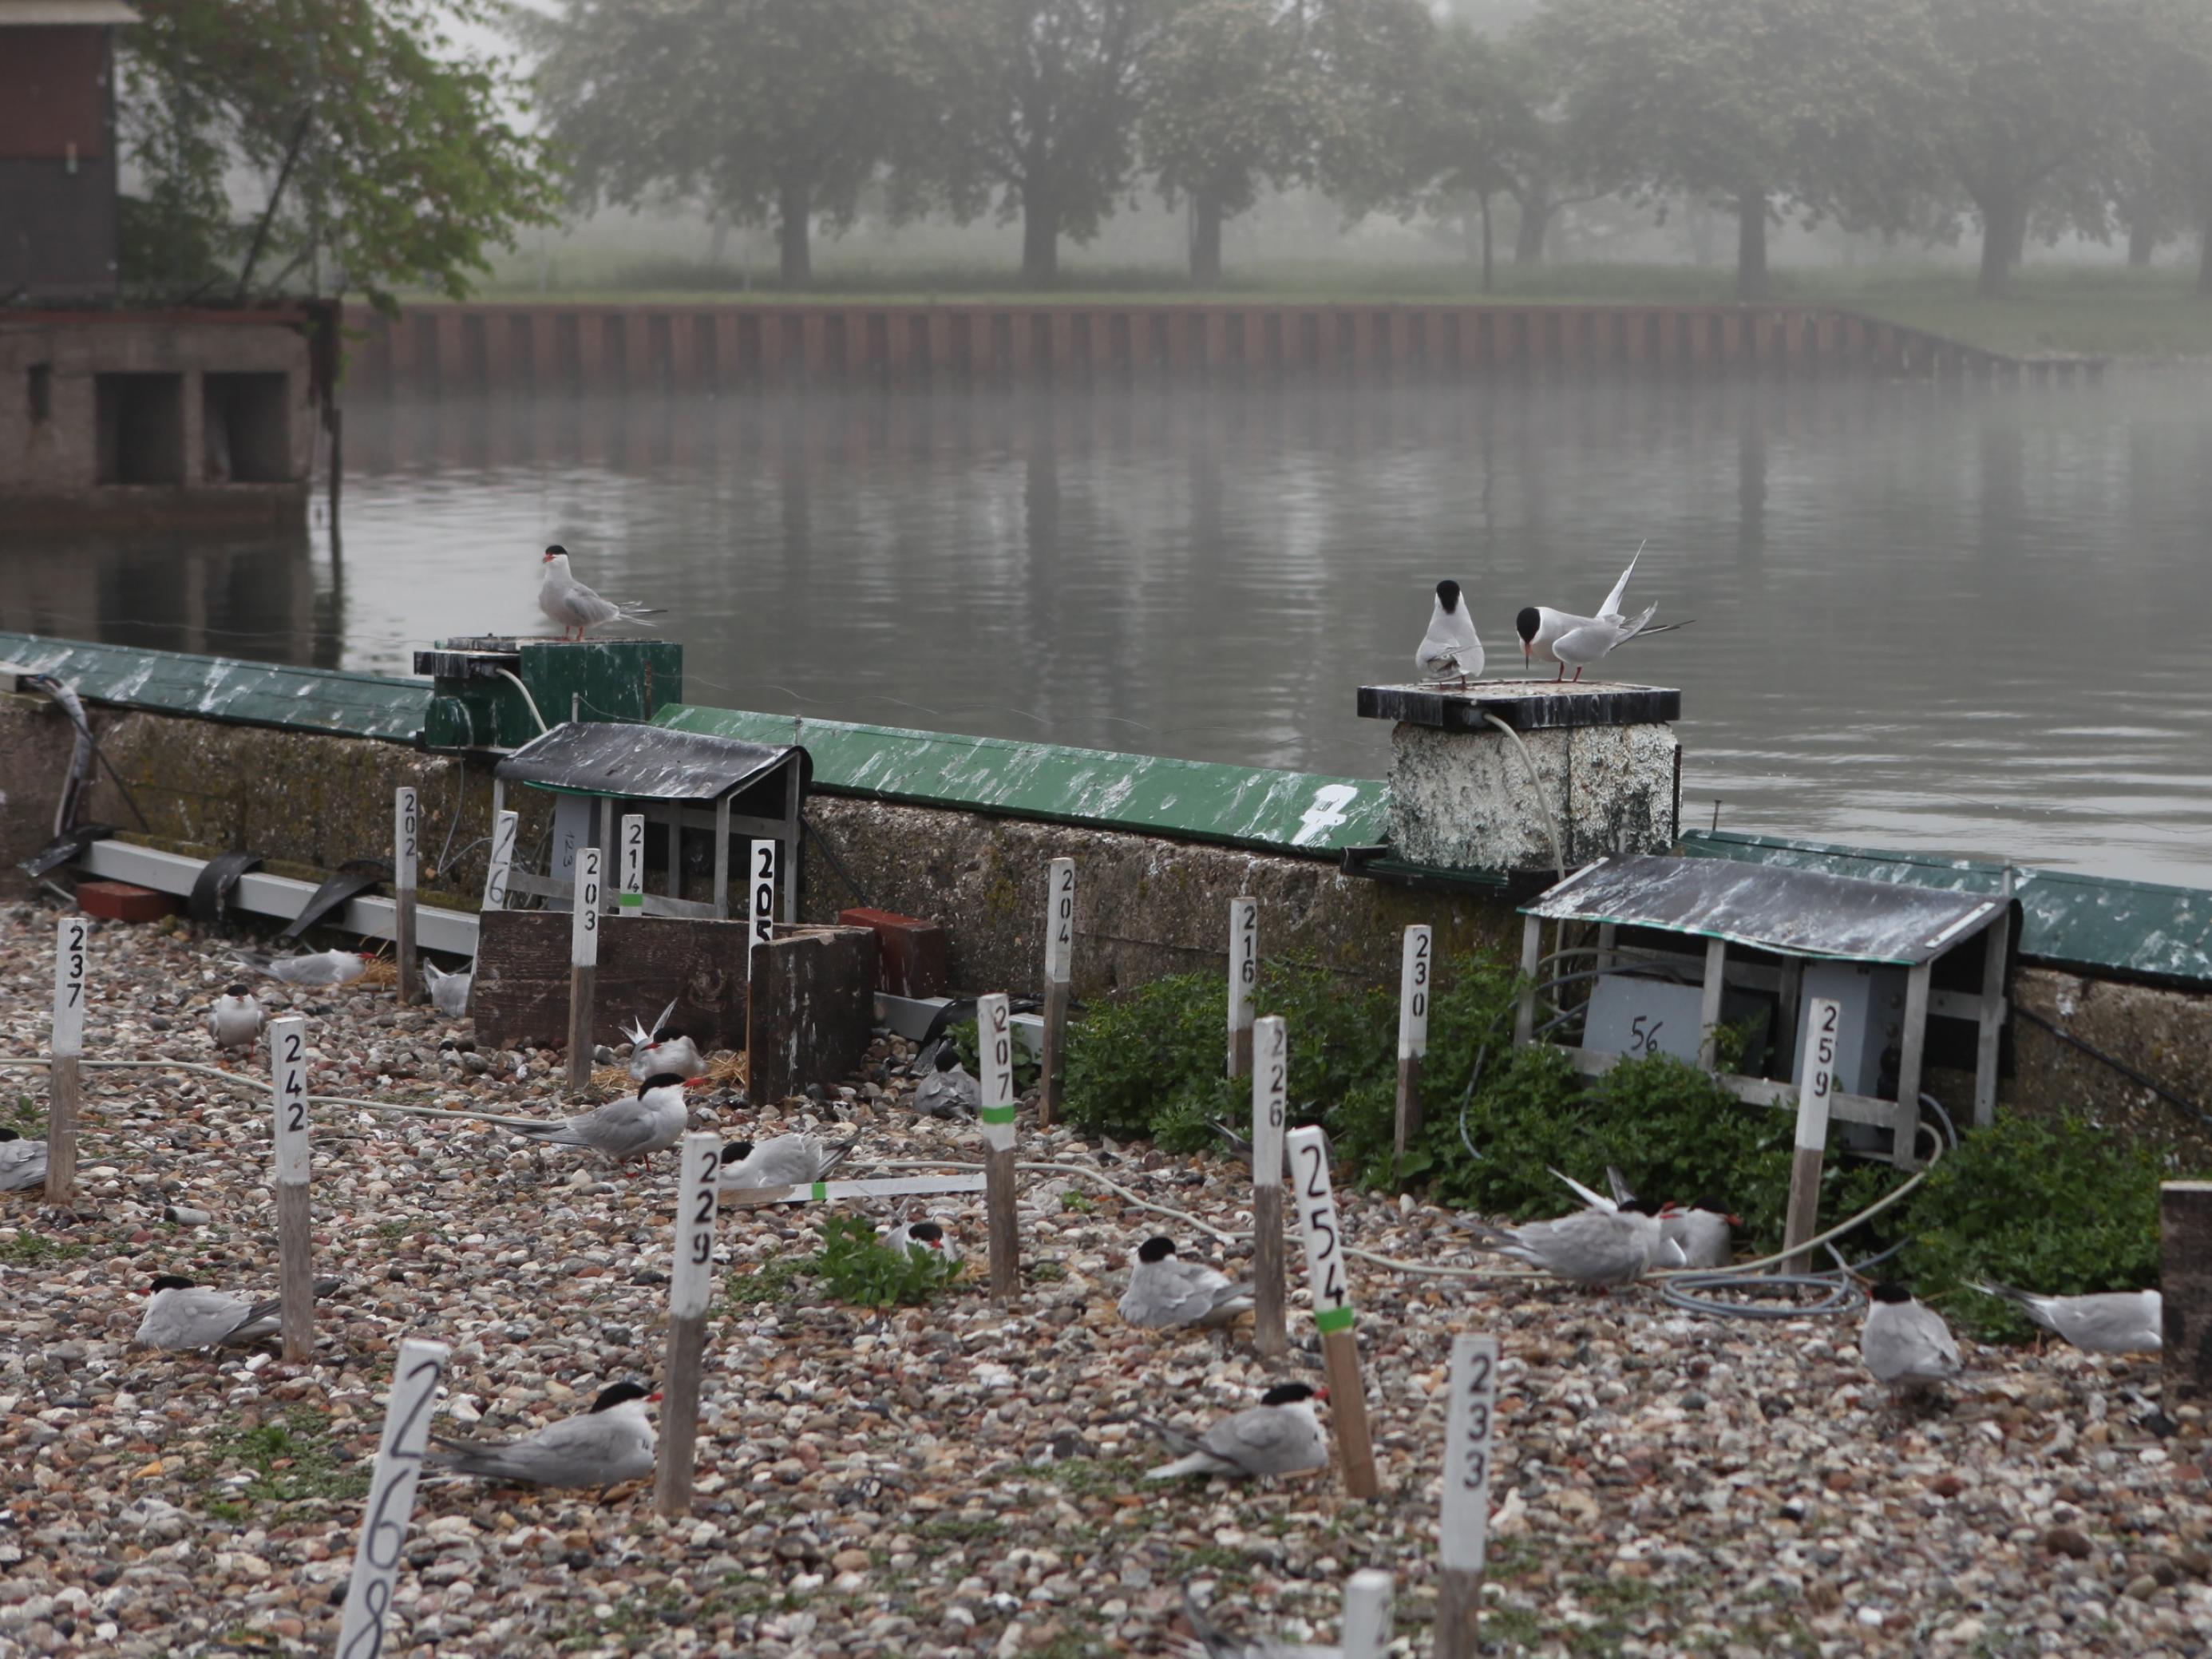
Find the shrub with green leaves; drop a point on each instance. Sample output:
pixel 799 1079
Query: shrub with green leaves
pixel 858 1267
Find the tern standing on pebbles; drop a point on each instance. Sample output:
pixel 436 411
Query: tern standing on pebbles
pixel 798 1160
pixel 236 1019
pixel 2112 1322
pixel 22 1162
pixel 568 602
pixel 651 1122
pixel 1278 1436
pixel 180 1314
pixel 1450 650
pixel 1166 1290
pixel 321 969
pixel 1906 1345
pixel 607 1445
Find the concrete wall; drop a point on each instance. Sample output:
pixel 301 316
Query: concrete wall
pixel 56 459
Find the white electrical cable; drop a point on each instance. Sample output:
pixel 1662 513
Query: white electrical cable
pixel 511 680
pixel 1550 818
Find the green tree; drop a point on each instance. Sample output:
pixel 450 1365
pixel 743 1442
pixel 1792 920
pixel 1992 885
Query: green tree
pixel 2174 117
pixel 772 112
pixel 1230 102
pixel 1033 110
pixel 385 150
pixel 1377 133
pixel 1760 105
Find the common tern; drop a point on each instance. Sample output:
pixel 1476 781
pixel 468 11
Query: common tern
pixel 236 1019
pixel 1906 1345
pixel 182 1315
pixel 1209 1641
pixel 911 1236
pixel 320 968
pixel 1577 641
pixel 795 1160
pixel 2110 1321
pixel 1591 1247
pixel 22 1162
pixel 1450 650
pixel 449 992
pixel 1703 1233
pixel 946 1090
pixel 1165 1291
pixel 1278 1436
pixel 658 1050
pixel 609 1443
pixel 574 606
pixel 650 1121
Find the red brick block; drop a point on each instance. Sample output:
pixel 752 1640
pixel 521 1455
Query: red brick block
pixel 909 952
pixel 119 901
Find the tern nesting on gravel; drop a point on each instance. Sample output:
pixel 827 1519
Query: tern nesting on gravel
pixel 946 1090
pixel 317 970
pixel 650 1121
pixel 661 1051
pixel 1209 1641
pixel 1278 1436
pixel 795 1160
pixel 1701 1233
pixel 1591 1247
pixel 574 606
pixel 1166 1290
pixel 236 1019
pixel 1906 1345
pixel 1450 650
pixel 608 1444
pixel 2110 1321
pixel 181 1314
pixel 912 1236
pixel 1576 641
pixel 22 1162
pixel 449 992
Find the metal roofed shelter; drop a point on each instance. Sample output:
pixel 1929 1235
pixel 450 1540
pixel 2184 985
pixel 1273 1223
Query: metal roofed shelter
pixel 1795 934
pixel 682 782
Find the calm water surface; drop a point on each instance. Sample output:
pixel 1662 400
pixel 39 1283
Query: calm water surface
pixel 1974 620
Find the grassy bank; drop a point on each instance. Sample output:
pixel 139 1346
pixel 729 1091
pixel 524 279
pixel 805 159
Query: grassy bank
pixel 2080 309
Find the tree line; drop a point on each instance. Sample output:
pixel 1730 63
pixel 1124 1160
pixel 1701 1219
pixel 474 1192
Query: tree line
pixel 1926 119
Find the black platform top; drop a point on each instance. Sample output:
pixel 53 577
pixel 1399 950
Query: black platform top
pixel 1524 705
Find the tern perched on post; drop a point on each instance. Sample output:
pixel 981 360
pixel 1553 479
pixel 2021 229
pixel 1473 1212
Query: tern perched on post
pixel 568 602
pixel 1450 650
pixel 1571 641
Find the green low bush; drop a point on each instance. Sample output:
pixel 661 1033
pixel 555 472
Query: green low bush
pixel 856 1267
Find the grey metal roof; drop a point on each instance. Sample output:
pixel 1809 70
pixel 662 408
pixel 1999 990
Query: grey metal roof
pixel 1799 913
pixel 646 762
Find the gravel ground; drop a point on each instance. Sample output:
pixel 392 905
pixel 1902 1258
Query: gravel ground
pixel 956 1480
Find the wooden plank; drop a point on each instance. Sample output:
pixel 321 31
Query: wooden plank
pixel 1754 1090
pixel 813 1009
pixel 520 995
pixel 1912 1046
pixel 1709 1013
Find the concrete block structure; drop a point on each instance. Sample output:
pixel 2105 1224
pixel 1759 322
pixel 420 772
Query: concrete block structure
pixel 58 224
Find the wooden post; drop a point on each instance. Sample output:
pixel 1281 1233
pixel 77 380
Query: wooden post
pixel 1532 952
pixel 583 964
pixel 689 1288
pixel 1709 1010
pixel 1413 1034
pixel 994 1042
pixel 1816 1090
pixel 1366 1632
pixel 760 904
pixel 1470 1423
pixel 65 1079
pixel 296 1235
pixel 2184 1219
pixel 1331 1303
pixel 404 828
pixel 721 858
pixel 1997 944
pixel 1059 964
pixel 415 1380
pixel 629 895
pixel 1912 1046
pixel 504 828
pixel 1243 980
pixel 1271 1045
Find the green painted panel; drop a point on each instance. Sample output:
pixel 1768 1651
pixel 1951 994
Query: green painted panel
pixel 602 679
pixel 2068 920
pixel 1286 811
pixel 226 688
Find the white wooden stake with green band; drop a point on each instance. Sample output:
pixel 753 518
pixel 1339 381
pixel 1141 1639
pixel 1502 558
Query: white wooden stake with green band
pixel 629 895
pixel 1326 1276
pixel 994 1043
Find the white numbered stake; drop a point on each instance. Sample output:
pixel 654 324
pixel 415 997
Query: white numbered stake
pixel 1059 921
pixel 1817 1093
pixel 1413 995
pixel 288 1063
pixel 994 1041
pixel 415 1383
pixel 762 910
pixel 584 927
pixel 693 1281
pixel 70 971
pixel 503 832
pixel 1316 1201
pixel 1244 960
pixel 630 894
pixel 404 847
pixel 1470 1425
pixel 1271 1094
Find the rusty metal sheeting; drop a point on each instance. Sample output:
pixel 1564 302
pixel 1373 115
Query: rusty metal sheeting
pixel 224 689
pixel 646 762
pixel 1803 912
pixel 2138 928
pixel 1145 794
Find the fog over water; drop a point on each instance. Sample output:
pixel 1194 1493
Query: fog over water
pixel 1957 619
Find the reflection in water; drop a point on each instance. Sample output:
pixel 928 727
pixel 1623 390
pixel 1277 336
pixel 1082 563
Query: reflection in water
pixel 1935 618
